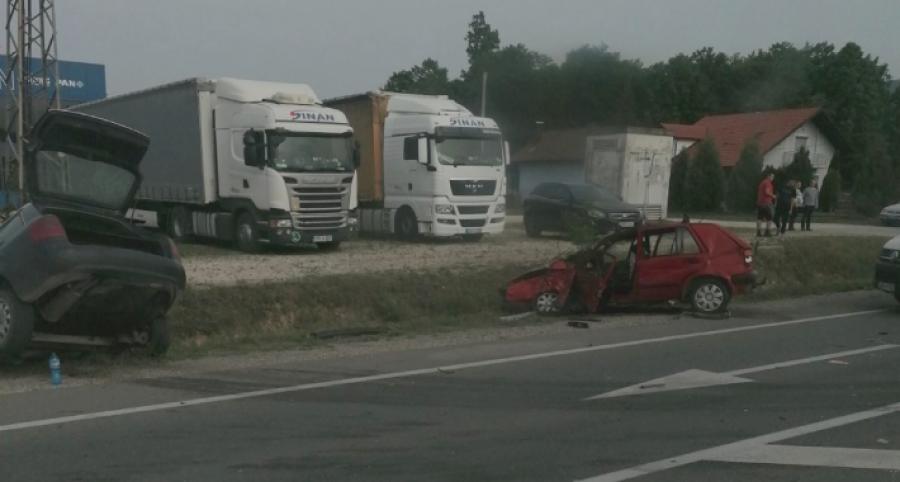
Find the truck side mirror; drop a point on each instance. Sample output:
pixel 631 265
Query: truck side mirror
pixel 506 152
pixel 255 149
pixel 424 158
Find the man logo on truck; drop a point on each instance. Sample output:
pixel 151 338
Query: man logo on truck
pixel 463 122
pixel 307 116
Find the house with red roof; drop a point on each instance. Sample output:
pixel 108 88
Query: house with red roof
pixel 780 134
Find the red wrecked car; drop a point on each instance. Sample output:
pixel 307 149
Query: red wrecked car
pixel 700 263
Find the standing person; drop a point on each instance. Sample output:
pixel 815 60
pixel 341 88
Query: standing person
pixel 798 204
pixel 765 198
pixel 810 203
pixel 783 204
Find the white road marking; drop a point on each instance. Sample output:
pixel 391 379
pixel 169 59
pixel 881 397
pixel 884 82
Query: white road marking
pixel 850 458
pixel 700 378
pixel 715 453
pixel 411 373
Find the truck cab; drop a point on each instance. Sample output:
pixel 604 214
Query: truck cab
pixel 428 167
pixel 280 150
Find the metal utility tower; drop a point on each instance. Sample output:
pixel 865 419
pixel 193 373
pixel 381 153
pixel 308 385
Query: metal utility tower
pixel 30 76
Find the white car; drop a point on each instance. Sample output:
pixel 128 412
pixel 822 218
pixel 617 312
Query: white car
pixel 890 215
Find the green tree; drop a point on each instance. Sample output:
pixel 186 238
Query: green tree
pixel 875 183
pixel 800 168
pixel 427 78
pixel 744 178
pixel 481 39
pixel 676 180
pixel 705 183
pixel 830 190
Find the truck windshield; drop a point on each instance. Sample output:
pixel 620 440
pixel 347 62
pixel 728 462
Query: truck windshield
pixel 461 151
pixel 306 152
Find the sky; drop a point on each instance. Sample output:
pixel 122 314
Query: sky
pixel 342 47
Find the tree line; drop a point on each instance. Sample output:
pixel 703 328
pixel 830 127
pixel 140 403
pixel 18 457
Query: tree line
pixel 596 85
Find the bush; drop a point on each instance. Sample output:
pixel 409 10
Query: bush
pixel 676 180
pixel 801 168
pixel 705 183
pixel 744 179
pixel 830 191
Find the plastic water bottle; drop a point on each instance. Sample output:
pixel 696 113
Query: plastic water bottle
pixel 55 373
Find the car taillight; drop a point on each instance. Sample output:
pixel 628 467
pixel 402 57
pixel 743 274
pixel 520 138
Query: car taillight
pixel 173 248
pixel 45 228
pixel 748 256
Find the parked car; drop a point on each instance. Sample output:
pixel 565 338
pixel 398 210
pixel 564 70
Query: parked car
pixel 890 216
pixel 700 263
pixel 887 268
pixel 554 206
pixel 73 269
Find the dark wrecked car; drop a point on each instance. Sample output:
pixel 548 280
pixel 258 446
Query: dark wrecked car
pixel 699 263
pixel 73 269
pixel 555 206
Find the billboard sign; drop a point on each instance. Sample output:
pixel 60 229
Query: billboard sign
pixel 78 81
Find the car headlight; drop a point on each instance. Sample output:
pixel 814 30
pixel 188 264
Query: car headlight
pixel 443 208
pixel 280 223
pixel 596 214
pixel 500 208
pixel 894 256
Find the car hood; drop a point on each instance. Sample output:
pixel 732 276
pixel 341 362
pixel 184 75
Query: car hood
pixel 614 207
pixel 89 143
pixel 892 207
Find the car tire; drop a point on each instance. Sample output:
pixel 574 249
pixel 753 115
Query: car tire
pixel 532 228
pixel 472 238
pixel 16 325
pixel 159 339
pixel 246 234
pixel 329 246
pixel 547 303
pixel 406 225
pixel 709 295
pixel 177 221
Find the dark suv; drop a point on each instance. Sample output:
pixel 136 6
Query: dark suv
pixel 554 206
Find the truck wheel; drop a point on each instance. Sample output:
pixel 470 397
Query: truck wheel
pixel 331 245
pixel 16 325
pixel 246 234
pixel 709 295
pixel 406 225
pixel 532 229
pixel 178 221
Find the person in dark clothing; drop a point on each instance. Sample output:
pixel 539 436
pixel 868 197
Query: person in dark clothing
pixel 783 205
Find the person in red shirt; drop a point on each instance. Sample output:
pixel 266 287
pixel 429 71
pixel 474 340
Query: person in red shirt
pixel 765 199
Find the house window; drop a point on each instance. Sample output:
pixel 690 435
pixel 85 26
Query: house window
pixel 800 142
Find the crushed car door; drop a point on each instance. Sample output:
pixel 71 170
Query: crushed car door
pixel 668 259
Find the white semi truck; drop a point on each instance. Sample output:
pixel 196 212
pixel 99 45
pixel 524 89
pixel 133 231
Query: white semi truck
pixel 245 161
pixel 427 166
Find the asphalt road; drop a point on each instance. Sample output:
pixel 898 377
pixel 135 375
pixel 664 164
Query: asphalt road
pixel 794 390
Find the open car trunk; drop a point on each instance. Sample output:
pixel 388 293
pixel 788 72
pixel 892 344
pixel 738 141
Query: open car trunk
pixel 83 228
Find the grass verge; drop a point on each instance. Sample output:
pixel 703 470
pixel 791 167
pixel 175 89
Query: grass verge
pixel 289 314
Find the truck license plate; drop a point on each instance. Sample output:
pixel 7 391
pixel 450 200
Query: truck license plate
pixel 325 238
pixel 627 224
pixel 883 286
pixel 473 230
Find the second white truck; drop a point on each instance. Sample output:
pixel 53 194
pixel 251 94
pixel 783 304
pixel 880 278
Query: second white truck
pixel 246 161
pixel 427 166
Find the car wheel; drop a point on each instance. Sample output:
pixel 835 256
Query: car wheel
pixel 329 246
pixel 472 238
pixel 547 303
pixel 16 325
pixel 178 222
pixel 246 234
pixel 406 225
pixel 154 337
pixel 532 228
pixel 709 295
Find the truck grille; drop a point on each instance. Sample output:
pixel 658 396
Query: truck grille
pixel 471 223
pixel 473 188
pixel 472 209
pixel 320 207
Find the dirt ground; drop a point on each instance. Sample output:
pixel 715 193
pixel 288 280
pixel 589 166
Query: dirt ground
pixel 211 266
